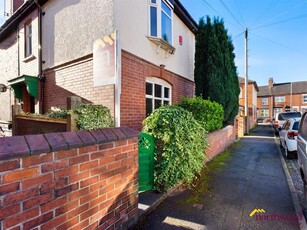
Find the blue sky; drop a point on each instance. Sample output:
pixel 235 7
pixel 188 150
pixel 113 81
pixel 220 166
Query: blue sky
pixel 277 34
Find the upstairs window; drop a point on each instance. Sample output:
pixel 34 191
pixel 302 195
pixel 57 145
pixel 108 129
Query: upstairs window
pixel 265 101
pixel 304 98
pixel 28 39
pixel 161 19
pixel 280 99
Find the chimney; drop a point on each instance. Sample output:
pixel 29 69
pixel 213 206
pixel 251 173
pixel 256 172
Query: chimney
pixel 271 82
pixel 17 4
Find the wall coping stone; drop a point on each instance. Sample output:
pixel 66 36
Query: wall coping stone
pixel 23 146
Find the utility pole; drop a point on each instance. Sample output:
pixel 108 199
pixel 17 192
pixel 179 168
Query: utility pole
pixel 246 123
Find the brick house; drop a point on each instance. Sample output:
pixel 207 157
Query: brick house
pixel 104 51
pixel 275 98
pixel 252 100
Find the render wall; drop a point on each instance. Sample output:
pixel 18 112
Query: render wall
pixel 133 25
pixel 72 180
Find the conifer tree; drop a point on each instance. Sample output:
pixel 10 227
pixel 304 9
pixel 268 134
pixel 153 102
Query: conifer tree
pixel 215 72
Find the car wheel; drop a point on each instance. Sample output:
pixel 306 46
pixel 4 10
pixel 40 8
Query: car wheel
pixel 280 143
pixel 287 153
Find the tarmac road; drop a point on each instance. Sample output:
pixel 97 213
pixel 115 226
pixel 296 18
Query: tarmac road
pixel 246 188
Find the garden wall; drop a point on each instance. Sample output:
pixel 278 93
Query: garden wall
pixel 69 180
pixel 219 140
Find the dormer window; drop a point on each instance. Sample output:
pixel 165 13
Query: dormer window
pixel 161 19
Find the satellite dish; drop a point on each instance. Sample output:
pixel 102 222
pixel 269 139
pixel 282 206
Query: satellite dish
pixel 2 88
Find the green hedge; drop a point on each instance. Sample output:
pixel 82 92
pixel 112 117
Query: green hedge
pixel 209 113
pixel 93 117
pixel 181 142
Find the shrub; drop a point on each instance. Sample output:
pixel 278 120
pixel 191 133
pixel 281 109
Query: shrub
pixel 93 117
pixel 61 114
pixel 183 144
pixel 208 113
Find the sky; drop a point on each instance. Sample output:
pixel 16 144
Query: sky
pixel 277 35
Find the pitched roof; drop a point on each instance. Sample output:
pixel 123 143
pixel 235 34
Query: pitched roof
pixel 242 81
pixel 299 87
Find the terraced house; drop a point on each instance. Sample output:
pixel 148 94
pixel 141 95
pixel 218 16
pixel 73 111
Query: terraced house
pixel 281 97
pixel 131 56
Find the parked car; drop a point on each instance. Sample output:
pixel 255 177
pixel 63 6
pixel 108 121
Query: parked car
pixel 280 119
pixel 302 149
pixel 288 137
pixel 260 119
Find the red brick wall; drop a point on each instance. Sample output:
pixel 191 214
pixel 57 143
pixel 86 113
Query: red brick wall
pixel 219 140
pixel 76 78
pixel 134 73
pixel 68 180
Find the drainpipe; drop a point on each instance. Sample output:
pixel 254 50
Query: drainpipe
pixel 40 61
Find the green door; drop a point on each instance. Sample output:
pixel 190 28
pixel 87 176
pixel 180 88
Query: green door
pixel 146 162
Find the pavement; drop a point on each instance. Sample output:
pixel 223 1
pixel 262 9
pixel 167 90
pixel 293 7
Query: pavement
pixel 247 187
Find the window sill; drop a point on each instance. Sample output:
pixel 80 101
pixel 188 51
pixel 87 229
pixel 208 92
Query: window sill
pixel 29 58
pixel 162 44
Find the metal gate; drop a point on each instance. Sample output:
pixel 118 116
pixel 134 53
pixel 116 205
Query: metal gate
pixel 146 162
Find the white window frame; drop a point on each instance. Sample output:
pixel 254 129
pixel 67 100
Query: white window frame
pixel 240 95
pixel 277 110
pixel 304 98
pixel 158 5
pixel 264 112
pixel 28 39
pixel 156 81
pixel 265 101
pixel 279 99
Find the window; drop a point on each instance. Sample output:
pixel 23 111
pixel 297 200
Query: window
pixel 240 95
pixel 280 99
pixel 277 110
pixel 28 39
pixel 158 93
pixel 161 17
pixel 264 113
pixel 265 101
pixel 304 98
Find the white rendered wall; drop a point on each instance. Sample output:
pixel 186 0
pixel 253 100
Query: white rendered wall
pixel 132 22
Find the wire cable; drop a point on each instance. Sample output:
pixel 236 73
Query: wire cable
pixel 266 11
pixel 222 2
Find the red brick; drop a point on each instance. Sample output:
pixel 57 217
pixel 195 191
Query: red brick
pixel 127 148
pixel 66 208
pixel 97 201
pixel 88 165
pixel 37 221
pixel 98 171
pixel 7 188
pixel 106 189
pixel 22 195
pixel 98 185
pixel 77 211
pixel 36 159
pixel 107 160
pixel 78 159
pixel 120 143
pixel 37 180
pixel 82 225
pixel 66 172
pixel 79 193
pixel 114 179
pixel 53 204
pixel 37 201
pixel 98 154
pixel 57 221
pixel 20 218
pixel 68 224
pixel 63 191
pixel 114 151
pixel 114 165
pixel 66 154
pixel 120 156
pixel 20 174
pixel 88 213
pixel 7 211
pixel 79 177
pixel 47 187
pixel 88 197
pixel 54 166
pixel 88 149
pixel 9 165
pixel 108 145
pixel 89 181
